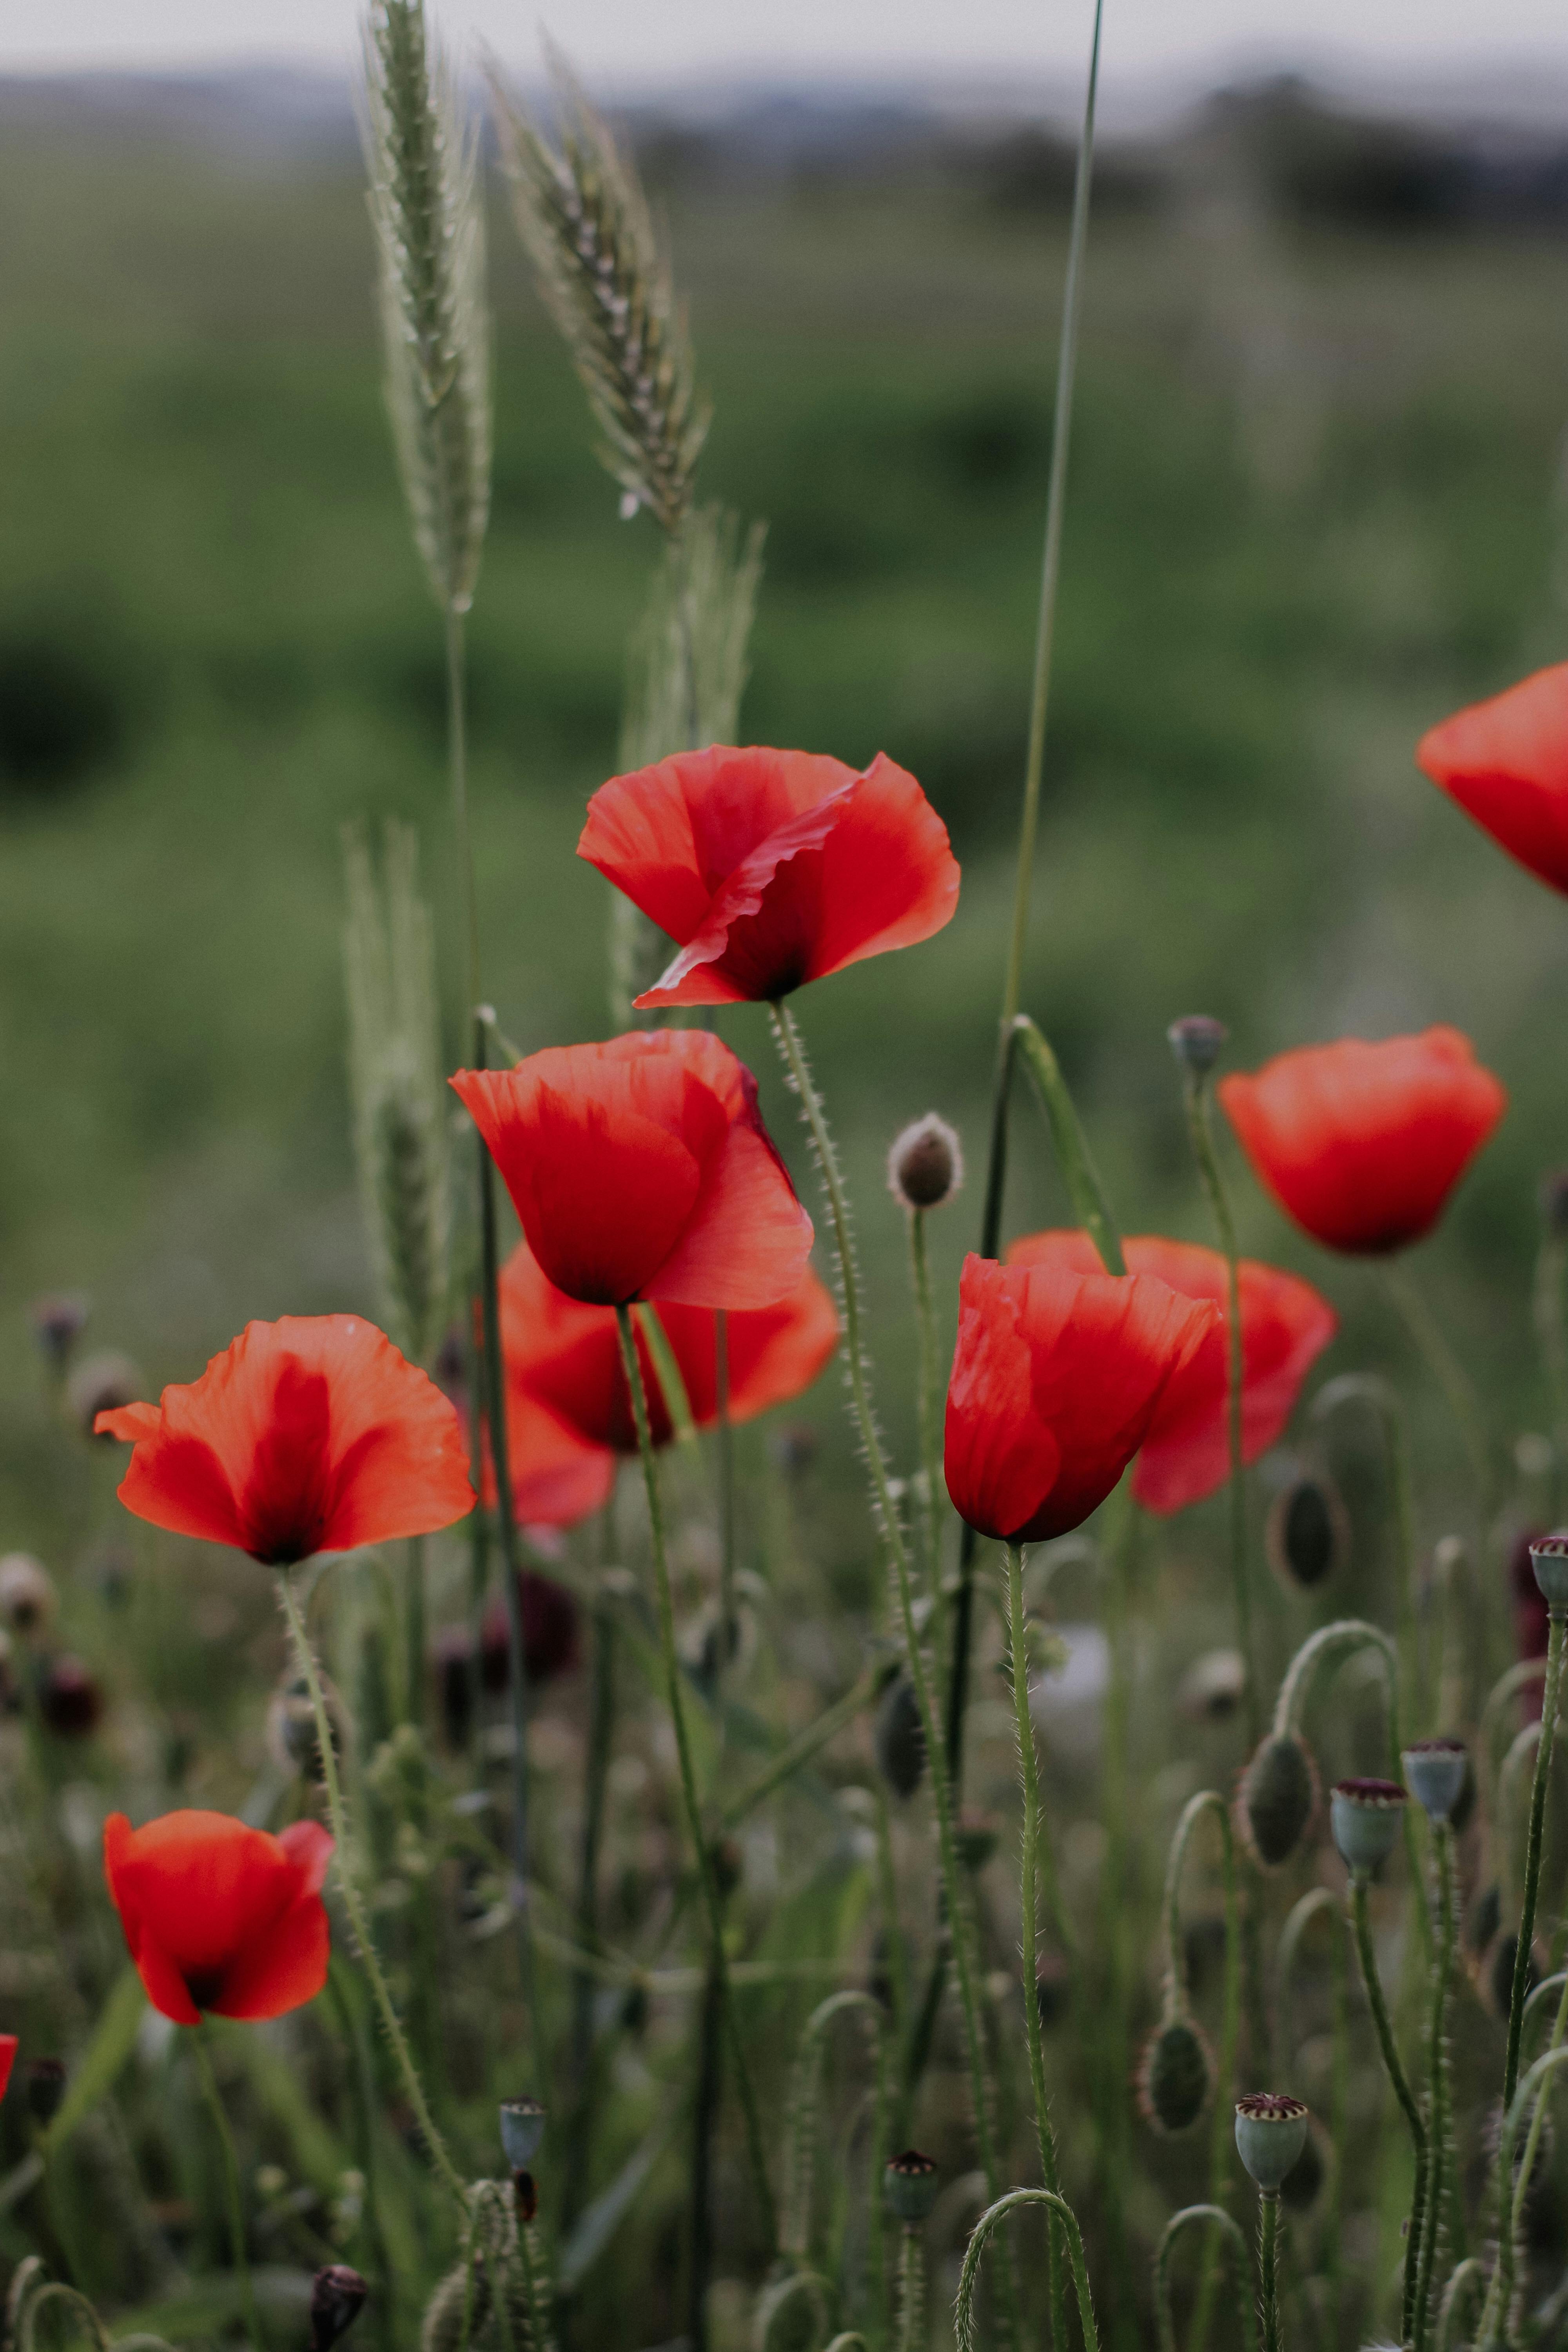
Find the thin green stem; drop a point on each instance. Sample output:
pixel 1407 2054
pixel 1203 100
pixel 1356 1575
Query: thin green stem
pixel 675 1697
pixel 912 2290
pixel 231 2187
pixel 963 2313
pixel 725 1439
pixel 1200 1130
pixel 1269 2267
pixel 1222 2135
pixel 892 1930
pixel 1119 1900
pixel 457 764
pixel 359 1923
pixel 1361 1927
pixel 803 1748
pixel 414 1630
pixel 1223 2226
pixel 601 1723
pixel 1441 2155
pixel 953 1887
pixel 1513 2186
pixel 1551 1700
pixel 1029 1774
pixel 930 1385
pixel 1451 1375
pixel 362 2078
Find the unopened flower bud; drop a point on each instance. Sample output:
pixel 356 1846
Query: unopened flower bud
pixel 1308 1532
pixel 522 2131
pixel 56 1325
pixel 1196 1041
pixel 910 2185
pixel 46 2085
pixel 101 1383
pixel 1278 1798
pixel 1365 1818
pixel 337 2298
pixel 899 1739
pixel 1271 2133
pixel 925 1165
pixel 69 1700
pixel 1175 2075
pixel 1436 1770
pixel 26 1595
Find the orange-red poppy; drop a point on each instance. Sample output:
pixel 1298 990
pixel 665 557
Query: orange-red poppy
pixel 770 868
pixel 1285 1327
pixel 1506 763
pixel 218 1915
pixel 309 1435
pixel 8 2047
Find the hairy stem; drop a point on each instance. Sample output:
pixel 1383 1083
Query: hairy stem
pixel 912 2290
pixel 930 1388
pixel 1440 2160
pixel 1269 2267
pixel 1361 1927
pixel 963 2313
pixel 1222 2228
pixel 1550 1698
pixel 231 2187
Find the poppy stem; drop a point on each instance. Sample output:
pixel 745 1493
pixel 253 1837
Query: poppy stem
pixel 359 1923
pixel 231 2186
pixel 929 1382
pixel 1550 1698
pixel 725 1441
pixel 1411 2332
pixel 954 1890
pixel 674 1693
pixel 1029 1774
pixel 458 764
pixel 1269 2267
pixel 1450 1374
pixel 601 1723
pixel 1441 2156
pixel 1222 2139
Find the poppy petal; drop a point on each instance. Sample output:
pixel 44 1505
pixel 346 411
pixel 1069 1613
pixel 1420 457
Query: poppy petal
pixel 216 1914
pixel 309 1848
pixel 281 1969
pixel 1000 1458
pixel 8 2047
pixel 1505 762
pixel 128 1421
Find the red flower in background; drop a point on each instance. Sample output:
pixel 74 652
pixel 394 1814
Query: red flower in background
pixel 1285 1327
pixel 641 1169
pixel 219 1917
pixel 1056 1381
pixel 8 2047
pixel 1362 1144
pixel 1506 763
pixel 309 1435
pixel 770 868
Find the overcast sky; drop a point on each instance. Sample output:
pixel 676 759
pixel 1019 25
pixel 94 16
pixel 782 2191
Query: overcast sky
pixel 665 41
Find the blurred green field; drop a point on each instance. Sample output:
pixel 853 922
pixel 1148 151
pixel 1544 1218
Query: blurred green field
pixel 1314 504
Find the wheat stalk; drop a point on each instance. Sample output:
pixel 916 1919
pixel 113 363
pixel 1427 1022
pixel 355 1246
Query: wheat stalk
pixel 422 158
pixel 585 222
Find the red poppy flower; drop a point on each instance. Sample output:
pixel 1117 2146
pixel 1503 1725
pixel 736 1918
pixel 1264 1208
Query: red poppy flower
pixel 1362 1144
pixel 641 1169
pixel 309 1435
pixel 1506 763
pixel 1056 1383
pixel 1285 1327
pixel 8 2047
pixel 772 868
pixel 218 1915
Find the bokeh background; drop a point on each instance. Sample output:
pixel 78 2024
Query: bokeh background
pixel 1317 500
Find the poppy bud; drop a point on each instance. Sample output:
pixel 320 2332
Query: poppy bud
pixel 1549 1559
pixel 26 1594
pixel 1196 1042
pixel 1271 2133
pixel 1308 1532
pixel 899 1739
pixel 1436 1770
pixel 910 2185
pixel 522 2131
pixel 105 1382
pixel 46 2085
pixel 337 2297
pixel 1302 2185
pixel 56 1327
pixel 1278 1798
pixel 1175 2075
pixel 1553 1197
pixel 70 1701
pixel 925 1165
pixel 1213 1687
pixel 1365 1816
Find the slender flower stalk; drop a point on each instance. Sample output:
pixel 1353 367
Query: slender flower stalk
pixel 675 1697
pixel 1497 2320
pixel 955 1894
pixel 1208 1800
pixel 1055 2204
pixel 911 2334
pixel 1551 1700
pixel 1441 2158
pixel 1411 2331
pixel 1222 2228
pixel 928 1379
pixel 1269 2267
pixel 231 2189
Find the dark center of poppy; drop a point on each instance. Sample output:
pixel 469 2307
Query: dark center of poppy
pixel 204 1985
pixel 287 1499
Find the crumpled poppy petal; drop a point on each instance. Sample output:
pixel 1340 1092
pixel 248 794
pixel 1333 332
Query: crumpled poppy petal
pixel 127 1422
pixel 284 1967
pixel 999 1457
pixel 310 1847
pixel 1505 762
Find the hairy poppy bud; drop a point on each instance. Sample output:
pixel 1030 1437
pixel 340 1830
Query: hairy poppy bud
pixel 925 1165
pixel 1278 1798
pixel 1366 1817
pixel 105 1382
pixel 70 1701
pixel 1196 1042
pixel 45 2079
pixel 337 2297
pixel 1437 1770
pixel 899 1739
pixel 1549 1559
pixel 26 1594
pixel 1175 2075
pixel 910 2185
pixel 56 1325
pixel 522 2131
pixel 1271 2133
pixel 1308 1532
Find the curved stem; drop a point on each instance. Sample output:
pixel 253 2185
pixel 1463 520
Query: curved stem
pixel 1437 2082
pixel 1468 2280
pixel 1368 1389
pixel 1522 1957
pixel 1200 1130
pixel 231 2187
pixel 963 2313
pixel 929 1386
pixel 1269 2267
pixel 1222 2225
pixel 677 1704
pixel 359 1923
pixel 953 1887
pixel 1409 2333
pixel 1513 2188
pixel 1029 1774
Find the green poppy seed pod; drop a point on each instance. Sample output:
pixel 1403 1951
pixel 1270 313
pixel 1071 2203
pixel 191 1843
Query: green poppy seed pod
pixel 1366 1817
pixel 925 1165
pixel 1308 1533
pixel 897 1739
pixel 337 2298
pixel 1271 2133
pixel 1549 1559
pixel 522 2131
pixel 26 1595
pixel 1196 1041
pixel 975 1838
pixel 1436 1771
pixel 46 2085
pixel 910 2185
pixel 1175 2076
pixel 1278 1798
pixel 1302 2185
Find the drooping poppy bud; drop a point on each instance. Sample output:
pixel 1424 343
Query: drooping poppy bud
pixel 770 868
pixel 1362 1144
pixel 1175 2075
pixel 1278 1798
pixel 925 1163
pixel 337 2297
pixel 1307 1534
pixel 218 1915
pixel 1285 1327
pixel 1505 762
